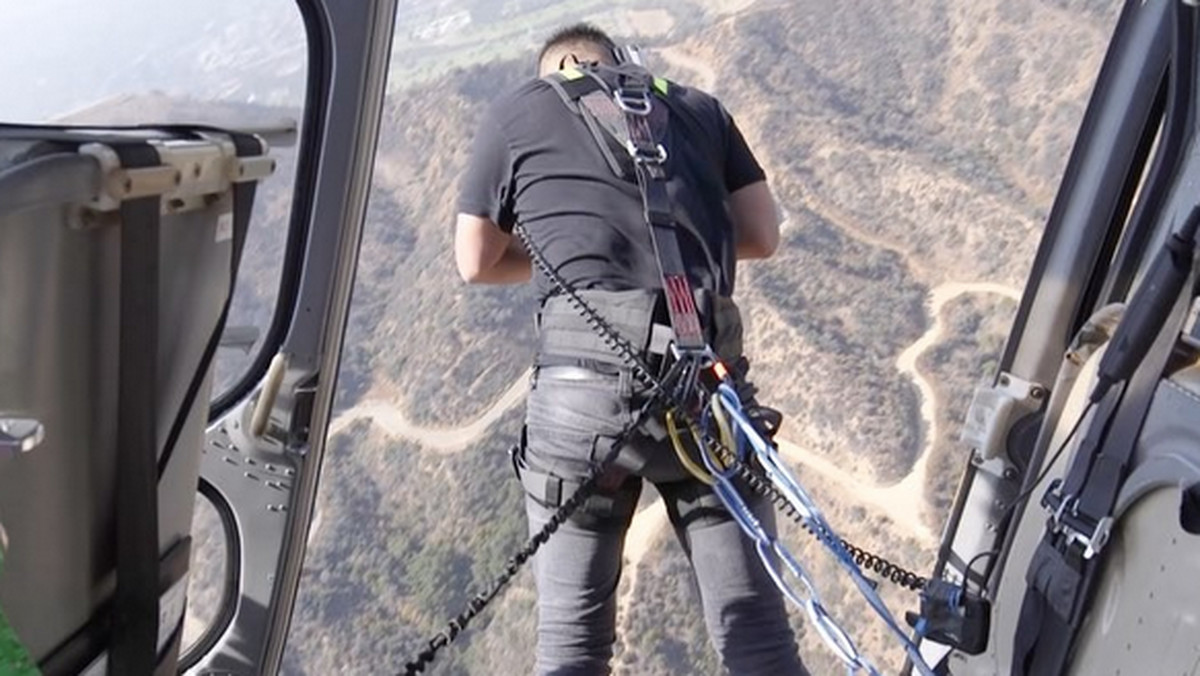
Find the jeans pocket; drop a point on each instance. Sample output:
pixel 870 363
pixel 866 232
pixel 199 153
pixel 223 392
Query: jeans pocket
pixel 565 415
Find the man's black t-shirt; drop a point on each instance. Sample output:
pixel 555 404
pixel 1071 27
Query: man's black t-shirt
pixel 534 161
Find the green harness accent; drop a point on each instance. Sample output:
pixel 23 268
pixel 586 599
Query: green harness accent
pixel 14 658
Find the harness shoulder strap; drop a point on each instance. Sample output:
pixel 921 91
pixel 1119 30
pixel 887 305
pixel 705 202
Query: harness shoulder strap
pixel 585 94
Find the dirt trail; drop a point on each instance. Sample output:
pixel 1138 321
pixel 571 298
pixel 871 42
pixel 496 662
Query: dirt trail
pixel 903 502
pixel 391 418
pixel 648 525
pixel 909 493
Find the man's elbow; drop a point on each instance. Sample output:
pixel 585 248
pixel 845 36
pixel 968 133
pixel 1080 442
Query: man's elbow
pixel 757 250
pixel 765 245
pixel 471 272
pixel 761 241
pixel 756 220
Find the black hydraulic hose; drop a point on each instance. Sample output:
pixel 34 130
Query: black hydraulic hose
pixel 1148 310
pixel 1151 304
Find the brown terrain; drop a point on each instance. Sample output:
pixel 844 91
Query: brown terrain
pixel 915 148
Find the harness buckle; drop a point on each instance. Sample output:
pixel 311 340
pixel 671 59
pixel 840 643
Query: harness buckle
pixel 1075 529
pixel 1093 543
pixel 633 102
pixel 646 155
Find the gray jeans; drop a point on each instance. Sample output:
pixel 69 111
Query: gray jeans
pixel 572 415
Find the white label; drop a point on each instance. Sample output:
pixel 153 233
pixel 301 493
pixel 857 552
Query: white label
pixel 224 227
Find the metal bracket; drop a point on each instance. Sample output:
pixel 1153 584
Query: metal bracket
pixel 993 410
pixel 20 435
pixel 191 172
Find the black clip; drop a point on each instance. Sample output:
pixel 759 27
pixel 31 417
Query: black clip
pixel 952 616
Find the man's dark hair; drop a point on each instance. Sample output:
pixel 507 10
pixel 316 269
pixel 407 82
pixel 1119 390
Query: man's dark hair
pixel 580 35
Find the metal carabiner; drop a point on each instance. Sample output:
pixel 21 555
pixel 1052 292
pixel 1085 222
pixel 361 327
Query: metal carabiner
pixel 634 103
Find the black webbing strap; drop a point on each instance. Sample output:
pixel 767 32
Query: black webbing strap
pixel 135 608
pixel 583 86
pixel 243 205
pixel 645 126
pixel 1064 570
pixel 649 157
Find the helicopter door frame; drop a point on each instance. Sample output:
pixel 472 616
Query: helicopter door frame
pixel 266 440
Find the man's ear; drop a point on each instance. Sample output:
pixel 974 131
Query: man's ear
pixel 562 63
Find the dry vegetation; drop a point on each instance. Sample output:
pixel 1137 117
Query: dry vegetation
pixel 911 144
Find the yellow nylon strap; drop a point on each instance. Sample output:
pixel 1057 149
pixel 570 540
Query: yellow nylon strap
pixel 681 452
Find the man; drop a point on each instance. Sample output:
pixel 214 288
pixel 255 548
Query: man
pixel 536 162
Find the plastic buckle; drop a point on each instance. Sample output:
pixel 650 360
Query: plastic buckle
pixel 634 103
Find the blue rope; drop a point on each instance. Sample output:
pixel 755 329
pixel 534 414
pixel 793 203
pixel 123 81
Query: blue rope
pixel 778 473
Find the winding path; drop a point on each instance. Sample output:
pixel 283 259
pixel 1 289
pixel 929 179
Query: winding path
pixel 904 501
pixel 390 417
pixel 908 496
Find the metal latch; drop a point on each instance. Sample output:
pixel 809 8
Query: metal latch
pixel 20 435
pixel 994 408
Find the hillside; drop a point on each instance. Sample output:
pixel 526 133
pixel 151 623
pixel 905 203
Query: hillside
pixel 915 148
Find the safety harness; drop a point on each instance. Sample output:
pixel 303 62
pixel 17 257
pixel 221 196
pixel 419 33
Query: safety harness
pixel 723 427
pixel 626 115
pixel 627 126
pixel 618 106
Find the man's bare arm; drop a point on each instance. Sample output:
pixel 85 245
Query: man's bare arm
pixel 755 221
pixel 485 254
